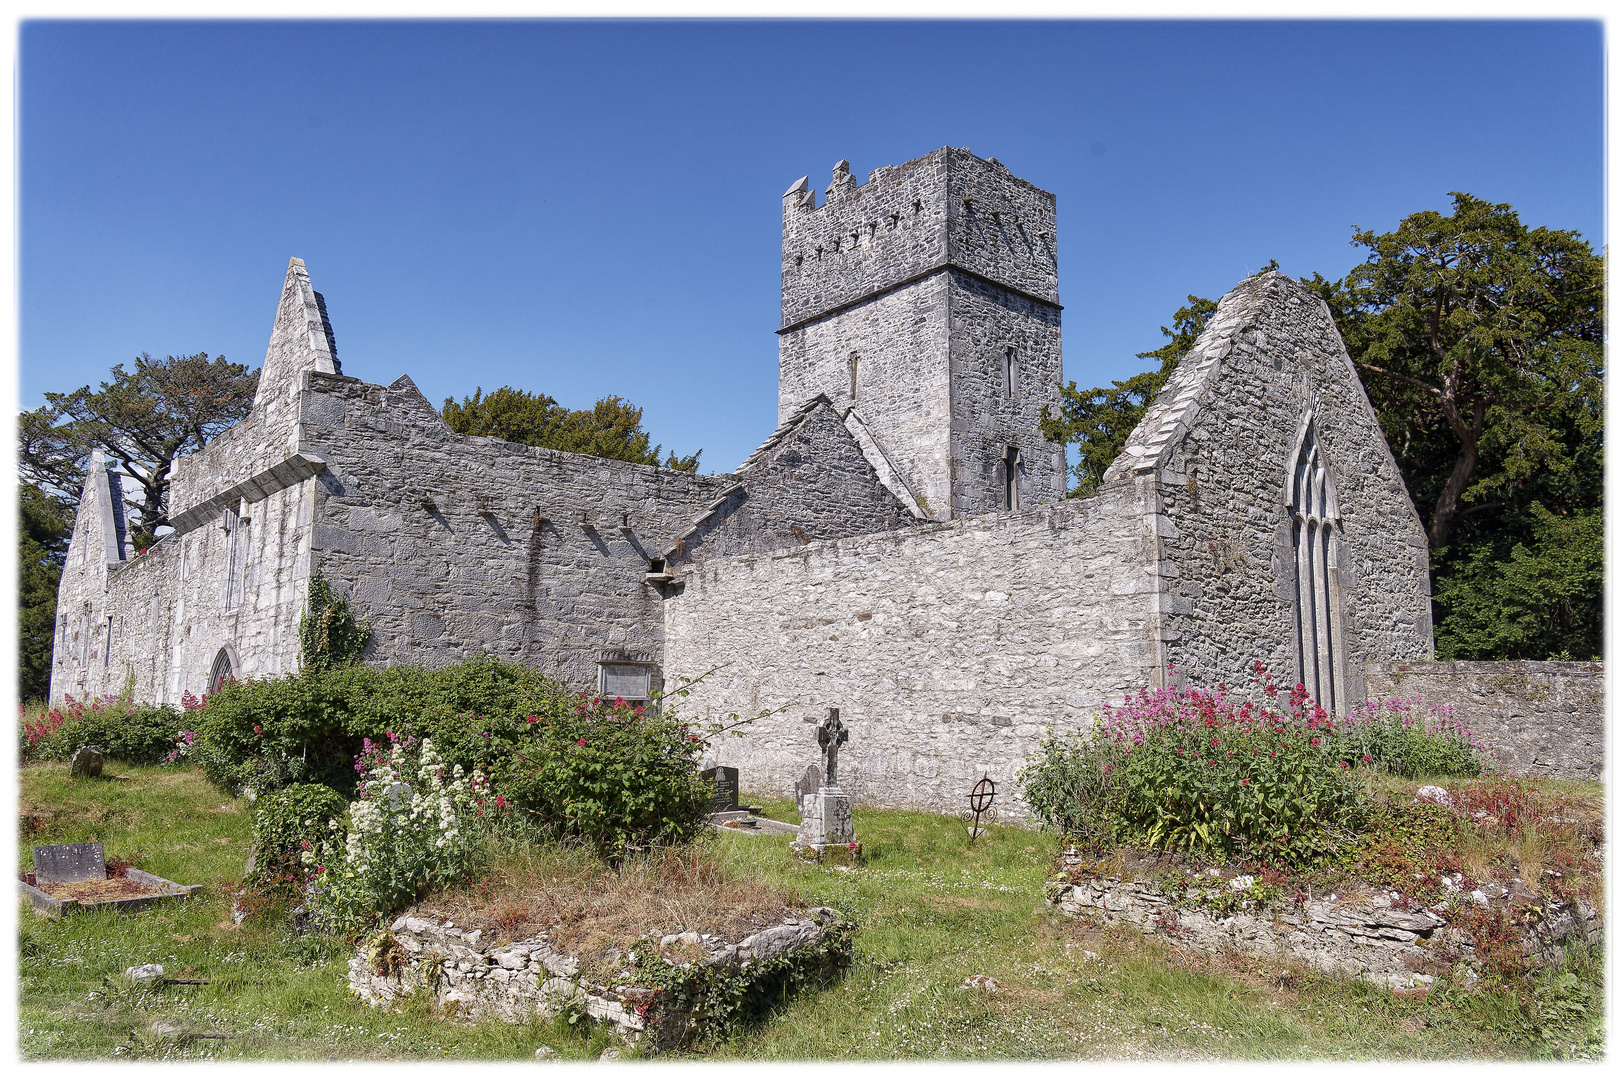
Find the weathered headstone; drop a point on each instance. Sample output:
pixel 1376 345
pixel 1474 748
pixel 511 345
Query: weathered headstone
pixel 724 782
pixel 69 862
pixel 88 760
pixel 826 834
pixel 809 781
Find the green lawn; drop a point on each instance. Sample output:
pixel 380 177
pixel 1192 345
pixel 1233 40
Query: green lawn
pixel 932 912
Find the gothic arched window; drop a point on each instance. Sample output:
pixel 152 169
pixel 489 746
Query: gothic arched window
pixel 1315 520
pixel 221 671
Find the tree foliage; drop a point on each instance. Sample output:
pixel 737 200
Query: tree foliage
pixel 1481 341
pixel 142 420
pixel 1478 337
pixel 45 525
pixel 610 429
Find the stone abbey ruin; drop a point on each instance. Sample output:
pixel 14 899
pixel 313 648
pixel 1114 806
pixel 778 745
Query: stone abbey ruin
pixel 900 547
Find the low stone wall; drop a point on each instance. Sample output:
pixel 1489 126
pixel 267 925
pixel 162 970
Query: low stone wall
pixel 1543 718
pixel 477 977
pixel 1371 939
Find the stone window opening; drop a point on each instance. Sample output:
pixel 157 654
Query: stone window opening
pixel 221 672
pixel 1011 478
pixel 1315 522
pixel 1011 372
pixel 855 357
pixel 107 656
pixel 235 525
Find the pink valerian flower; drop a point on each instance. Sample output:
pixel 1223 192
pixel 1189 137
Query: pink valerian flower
pixel 580 742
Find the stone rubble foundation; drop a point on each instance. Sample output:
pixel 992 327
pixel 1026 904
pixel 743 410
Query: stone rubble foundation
pixel 474 976
pixel 1368 939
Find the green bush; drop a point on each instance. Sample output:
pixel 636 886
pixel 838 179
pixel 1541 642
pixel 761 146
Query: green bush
pixel 309 727
pixel 288 823
pixel 134 734
pixel 607 774
pixel 602 773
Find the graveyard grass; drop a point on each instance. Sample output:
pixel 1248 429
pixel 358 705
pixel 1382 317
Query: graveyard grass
pixel 932 912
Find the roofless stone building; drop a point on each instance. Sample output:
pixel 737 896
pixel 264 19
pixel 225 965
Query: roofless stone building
pixel 899 547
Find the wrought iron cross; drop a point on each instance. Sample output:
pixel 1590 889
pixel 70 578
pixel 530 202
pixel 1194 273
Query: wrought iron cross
pixel 830 734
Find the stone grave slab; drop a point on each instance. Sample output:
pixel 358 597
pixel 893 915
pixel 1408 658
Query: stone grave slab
pixel 69 862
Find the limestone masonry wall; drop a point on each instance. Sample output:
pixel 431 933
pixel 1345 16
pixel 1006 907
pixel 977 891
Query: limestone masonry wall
pixel 948 648
pixel 1544 718
pixel 453 546
pixel 904 296
pixel 998 402
pixel 903 380
pixel 1270 356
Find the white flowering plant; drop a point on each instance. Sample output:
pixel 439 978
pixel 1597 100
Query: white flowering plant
pixel 416 826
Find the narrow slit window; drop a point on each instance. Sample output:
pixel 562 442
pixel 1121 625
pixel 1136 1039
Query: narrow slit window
pixel 1011 478
pixel 854 360
pixel 1011 372
pixel 107 657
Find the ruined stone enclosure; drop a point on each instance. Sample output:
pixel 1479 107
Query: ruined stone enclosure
pixel 898 548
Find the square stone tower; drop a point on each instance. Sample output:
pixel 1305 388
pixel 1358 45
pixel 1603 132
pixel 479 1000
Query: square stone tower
pixel 925 305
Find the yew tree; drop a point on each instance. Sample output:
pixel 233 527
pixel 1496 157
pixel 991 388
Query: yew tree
pixel 1480 342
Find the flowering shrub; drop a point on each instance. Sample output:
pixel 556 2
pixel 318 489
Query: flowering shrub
pixel 309 727
pixel 413 828
pixel 183 746
pixel 609 774
pixel 1402 737
pixel 288 824
pixel 1198 770
pixel 125 731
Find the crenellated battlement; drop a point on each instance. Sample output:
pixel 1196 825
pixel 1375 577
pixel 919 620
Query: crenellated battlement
pixel 947 209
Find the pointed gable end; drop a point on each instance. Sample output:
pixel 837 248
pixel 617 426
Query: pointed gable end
pixel 301 339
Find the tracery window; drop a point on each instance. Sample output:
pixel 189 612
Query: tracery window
pixel 1315 522
pixel 221 671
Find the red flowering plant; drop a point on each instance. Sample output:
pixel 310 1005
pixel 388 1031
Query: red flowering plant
pixel 608 773
pixel 1189 769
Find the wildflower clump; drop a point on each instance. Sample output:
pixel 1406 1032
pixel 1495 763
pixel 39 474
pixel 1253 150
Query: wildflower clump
pixel 126 731
pixel 413 828
pixel 1187 769
pixel 1405 737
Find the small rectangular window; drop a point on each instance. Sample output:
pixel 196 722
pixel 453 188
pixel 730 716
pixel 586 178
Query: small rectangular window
pixel 1011 372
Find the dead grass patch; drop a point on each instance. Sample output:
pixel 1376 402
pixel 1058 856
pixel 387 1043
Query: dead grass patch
pixel 598 913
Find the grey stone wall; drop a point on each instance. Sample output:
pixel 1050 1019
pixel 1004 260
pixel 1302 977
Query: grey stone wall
pixel 454 545
pixel 1543 718
pixel 988 414
pixel 1217 441
pixel 949 648
pixel 157 621
pixel 925 276
pixel 809 481
pixel 903 380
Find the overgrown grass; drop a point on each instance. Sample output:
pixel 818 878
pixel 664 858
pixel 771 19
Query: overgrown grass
pixel 932 911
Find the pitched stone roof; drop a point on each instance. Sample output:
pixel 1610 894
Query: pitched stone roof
pixel 785 429
pixel 1172 413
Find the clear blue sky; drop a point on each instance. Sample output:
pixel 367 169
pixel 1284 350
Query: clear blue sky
pixel 593 208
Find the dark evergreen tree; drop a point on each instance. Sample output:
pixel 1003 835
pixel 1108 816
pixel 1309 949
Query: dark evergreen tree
pixel 610 429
